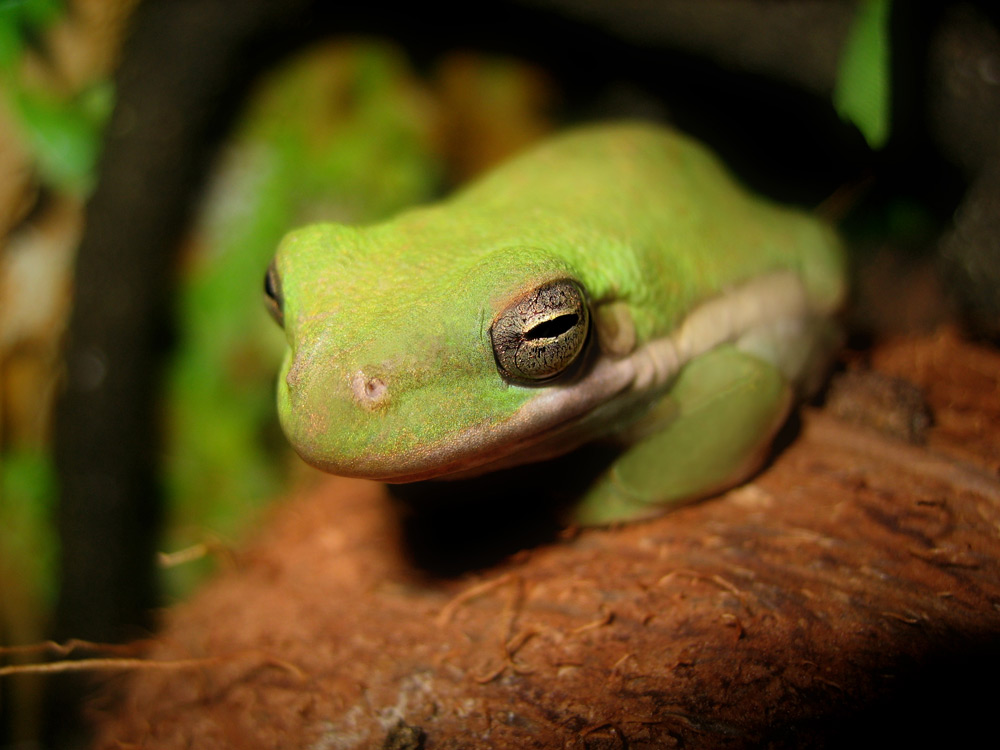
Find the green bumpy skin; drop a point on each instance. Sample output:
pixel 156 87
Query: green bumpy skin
pixel 613 283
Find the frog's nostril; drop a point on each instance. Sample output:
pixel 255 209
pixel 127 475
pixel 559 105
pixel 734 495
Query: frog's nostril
pixel 368 391
pixel 273 298
pixel 293 378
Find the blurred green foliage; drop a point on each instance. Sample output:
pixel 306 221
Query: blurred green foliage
pixel 63 132
pixel 337 134
pixel 62 136
pixel 20 22
pixel 27 495
pixel 862 94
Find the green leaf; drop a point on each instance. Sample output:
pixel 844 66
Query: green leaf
pixel 19 18
pixel 28 543
pixel 862 91
pixel 65 136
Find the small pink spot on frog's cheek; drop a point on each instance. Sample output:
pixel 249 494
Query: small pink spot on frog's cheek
pixel 369 392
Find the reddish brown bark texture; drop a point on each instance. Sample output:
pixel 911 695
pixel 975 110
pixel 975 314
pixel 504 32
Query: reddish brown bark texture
pixel 841 586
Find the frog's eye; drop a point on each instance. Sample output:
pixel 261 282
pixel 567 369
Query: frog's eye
pixel 272 295
pixel 541 334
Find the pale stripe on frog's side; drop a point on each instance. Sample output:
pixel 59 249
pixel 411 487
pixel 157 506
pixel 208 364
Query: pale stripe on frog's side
pixel 768 317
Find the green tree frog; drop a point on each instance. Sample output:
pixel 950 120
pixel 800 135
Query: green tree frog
pixel 614 283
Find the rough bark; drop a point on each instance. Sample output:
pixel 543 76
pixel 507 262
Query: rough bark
pixel 853 586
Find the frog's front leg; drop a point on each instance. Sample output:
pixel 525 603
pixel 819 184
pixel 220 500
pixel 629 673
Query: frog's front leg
pixel 713 428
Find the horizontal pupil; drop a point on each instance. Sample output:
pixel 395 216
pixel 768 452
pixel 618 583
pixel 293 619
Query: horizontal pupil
pixel 552 328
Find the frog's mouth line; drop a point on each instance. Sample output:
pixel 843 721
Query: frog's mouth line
pixel 612 394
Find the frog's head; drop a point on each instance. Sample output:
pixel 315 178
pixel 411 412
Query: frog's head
pixel 407 361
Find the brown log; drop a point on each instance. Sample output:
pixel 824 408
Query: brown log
pixel 852 587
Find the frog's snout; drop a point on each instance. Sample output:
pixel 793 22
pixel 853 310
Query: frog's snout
pixel 273 298
pixel 366 390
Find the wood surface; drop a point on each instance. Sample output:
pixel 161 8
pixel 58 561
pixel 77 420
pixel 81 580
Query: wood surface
pixel 850 593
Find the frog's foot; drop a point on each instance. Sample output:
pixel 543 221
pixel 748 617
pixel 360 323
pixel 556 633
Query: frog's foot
pixel 711 430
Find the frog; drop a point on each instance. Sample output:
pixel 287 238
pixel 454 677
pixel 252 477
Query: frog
pixel 614 283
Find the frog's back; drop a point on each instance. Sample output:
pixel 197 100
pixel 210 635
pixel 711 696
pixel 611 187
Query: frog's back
pixel 653 216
